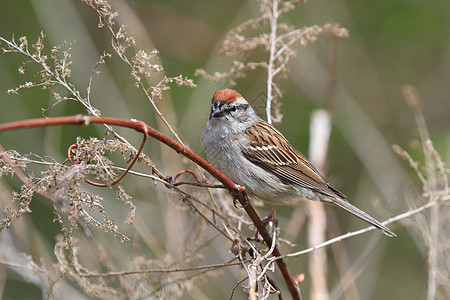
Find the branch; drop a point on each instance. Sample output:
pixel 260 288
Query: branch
pixel 235 189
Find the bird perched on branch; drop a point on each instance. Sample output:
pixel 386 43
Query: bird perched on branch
pixel 252 153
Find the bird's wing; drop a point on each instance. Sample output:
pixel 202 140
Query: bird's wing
pixel 270 150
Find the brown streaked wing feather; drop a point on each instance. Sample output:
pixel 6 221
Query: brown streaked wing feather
pixel 270 150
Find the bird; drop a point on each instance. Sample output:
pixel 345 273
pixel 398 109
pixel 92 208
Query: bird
pixel 254 154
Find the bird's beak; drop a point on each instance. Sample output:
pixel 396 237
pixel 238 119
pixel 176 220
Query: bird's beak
pixel 217 112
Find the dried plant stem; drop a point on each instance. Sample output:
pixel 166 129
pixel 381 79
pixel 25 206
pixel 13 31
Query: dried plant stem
pixel 271 64
pixel 131 272
pixel 413 100
pixel 320 130
pixel 116 42
pixel 61 80
pixel 432 253
pixel 24 178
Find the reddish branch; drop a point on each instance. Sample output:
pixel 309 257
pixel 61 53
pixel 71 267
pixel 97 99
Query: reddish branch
pixel 236 190
pixel 198 182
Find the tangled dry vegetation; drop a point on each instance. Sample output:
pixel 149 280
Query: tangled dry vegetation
pixel 279 40
pixel 140 267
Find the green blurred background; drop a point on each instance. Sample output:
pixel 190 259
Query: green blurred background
pixel 391 43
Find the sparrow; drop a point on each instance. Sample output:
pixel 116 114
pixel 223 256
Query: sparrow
pixel 252 153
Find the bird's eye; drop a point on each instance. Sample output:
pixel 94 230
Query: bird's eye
pixel 233 108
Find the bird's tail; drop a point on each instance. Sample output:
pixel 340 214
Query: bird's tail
pixel 362 215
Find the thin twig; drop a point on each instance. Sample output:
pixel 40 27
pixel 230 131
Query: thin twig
pixel 367 229
pixel 203 271
pixel 236 285
pixel 169 270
